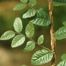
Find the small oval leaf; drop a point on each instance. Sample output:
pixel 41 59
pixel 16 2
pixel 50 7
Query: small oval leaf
pixel 7 35
pixel 40 39
pixel 29 31
pixel 41 22
pixel 30 46
pixel 41 57
pixel 18 25
pixel 61 33
pixel 18 41
pixel 63 57
pixel 19 7
pixel 30 13
pixel 62 63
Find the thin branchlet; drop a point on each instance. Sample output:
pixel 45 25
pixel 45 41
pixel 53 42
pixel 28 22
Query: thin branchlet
pixel 53 40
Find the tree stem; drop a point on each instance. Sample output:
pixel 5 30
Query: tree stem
pixel 53 40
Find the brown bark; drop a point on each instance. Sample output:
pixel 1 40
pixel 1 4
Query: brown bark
pixel 53 40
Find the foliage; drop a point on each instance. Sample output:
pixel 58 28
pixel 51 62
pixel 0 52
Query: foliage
pixel 29 31
pixel 18 25
pixel 40 40
pixel 7 35
pixel 63 62
pixel 30 46
pixel 41 57
pixel 36 17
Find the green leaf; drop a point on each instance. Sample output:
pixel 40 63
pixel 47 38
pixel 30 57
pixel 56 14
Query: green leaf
pixel 42 18
pixel 61 33
pixel 63 57
pixel 40 40
pixel 29 31
pixel 32 2
pixel 18 25
pixel 30 46
pixel 7 35
pixel 62 63
pixel 19 7
pixel 24 1
pixel 30 13
pixel 41 13
pixel 64 23
pixel 41 57
pixel 41 22
pixel 18 41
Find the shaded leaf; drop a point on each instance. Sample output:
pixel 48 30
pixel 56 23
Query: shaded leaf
pixel 41 57
pixel 18 41
pixel 40 40
pixel 64 23
pixel 24 1
pixel 63 57
pixel 32 2
pixel 18 25
pixel 19 7
pixel 42 18
pixel 30 46
pixel 7 35
pixel 30 13
pixel 29 31
pixel 62 63
pixel 41 13
pixel 61 33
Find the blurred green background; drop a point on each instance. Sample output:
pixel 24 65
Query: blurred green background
pixel 16 57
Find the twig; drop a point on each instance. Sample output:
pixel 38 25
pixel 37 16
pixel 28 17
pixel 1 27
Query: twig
pixel 53 40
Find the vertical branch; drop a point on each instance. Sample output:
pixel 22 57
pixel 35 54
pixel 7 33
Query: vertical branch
pixel 53 40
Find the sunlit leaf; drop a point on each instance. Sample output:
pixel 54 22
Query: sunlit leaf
pixel 63 57
pixel 7 35
pixel 30 13
pixel 40 39
pixel 29 31
pixel 30 46
pixel 41 22
pixel 18 25
pixel 62 63
pixel 61 33
pixel 41 57
pixel 19 7
pixel 24 1
pixel 32 2
pixel 18 41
